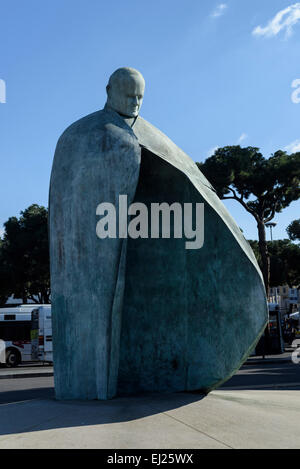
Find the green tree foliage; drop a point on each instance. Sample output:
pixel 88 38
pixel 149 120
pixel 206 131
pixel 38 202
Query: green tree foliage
pixel 293 230
pixel 5 278
pixel 284 262
pixel 24 255
pixel 262 186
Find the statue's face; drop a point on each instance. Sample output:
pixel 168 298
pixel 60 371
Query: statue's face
pixel 126 95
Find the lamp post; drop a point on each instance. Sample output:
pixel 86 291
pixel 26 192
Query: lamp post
pixel 272 225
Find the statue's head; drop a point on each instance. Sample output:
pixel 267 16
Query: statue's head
pixel 125 91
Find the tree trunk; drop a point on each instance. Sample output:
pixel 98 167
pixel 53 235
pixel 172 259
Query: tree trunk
pixel 44 296
pixel 46 299
pixel 265 258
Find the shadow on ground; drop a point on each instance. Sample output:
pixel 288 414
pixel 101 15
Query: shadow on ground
pixel 42 412
pixel 31 405
pixel 14 396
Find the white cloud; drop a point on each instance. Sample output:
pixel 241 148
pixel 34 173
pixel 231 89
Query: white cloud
pixel 293 147
pixel 283 20
pixel 2 231
pixel 219 10
pixel 242 138
pixel 296 94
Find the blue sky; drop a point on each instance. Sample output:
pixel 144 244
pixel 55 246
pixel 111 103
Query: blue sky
pixel 217 73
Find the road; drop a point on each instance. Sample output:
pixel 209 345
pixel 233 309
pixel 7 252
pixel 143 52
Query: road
pixel 275 374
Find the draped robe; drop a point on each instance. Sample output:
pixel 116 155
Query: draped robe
pixel 133 315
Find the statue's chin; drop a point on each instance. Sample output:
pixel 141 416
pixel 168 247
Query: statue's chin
pixel 131 112
pixel 127 114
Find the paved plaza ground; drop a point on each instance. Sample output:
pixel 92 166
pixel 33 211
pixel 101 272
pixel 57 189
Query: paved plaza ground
pixel 258 408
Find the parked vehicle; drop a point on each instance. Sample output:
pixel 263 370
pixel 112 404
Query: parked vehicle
pixel 15 329
pixel 41 334
pixel 25 334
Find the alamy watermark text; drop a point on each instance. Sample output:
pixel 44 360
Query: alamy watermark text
pixel 177 220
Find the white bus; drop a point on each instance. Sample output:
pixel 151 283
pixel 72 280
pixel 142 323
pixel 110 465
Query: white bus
pixel 26 334
pixel 41 334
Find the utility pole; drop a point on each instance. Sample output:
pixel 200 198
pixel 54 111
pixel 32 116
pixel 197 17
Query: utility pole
pixel 272 225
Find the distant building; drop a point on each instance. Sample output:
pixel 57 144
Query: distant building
pixel 287 298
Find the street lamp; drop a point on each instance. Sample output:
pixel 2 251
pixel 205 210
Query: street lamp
pixel 271 225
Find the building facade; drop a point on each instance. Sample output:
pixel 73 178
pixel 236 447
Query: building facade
pixel 287 298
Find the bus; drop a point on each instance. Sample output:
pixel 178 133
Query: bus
pixel 25 334
pixel 41 334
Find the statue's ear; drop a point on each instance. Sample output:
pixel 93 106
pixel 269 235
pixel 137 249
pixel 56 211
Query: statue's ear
pixel 107 89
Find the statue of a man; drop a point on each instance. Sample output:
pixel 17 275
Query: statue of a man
pixel 125 92
pixel 142 314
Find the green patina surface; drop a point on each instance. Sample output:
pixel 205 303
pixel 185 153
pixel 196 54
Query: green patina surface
pixel 147 314
pixel 190 317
